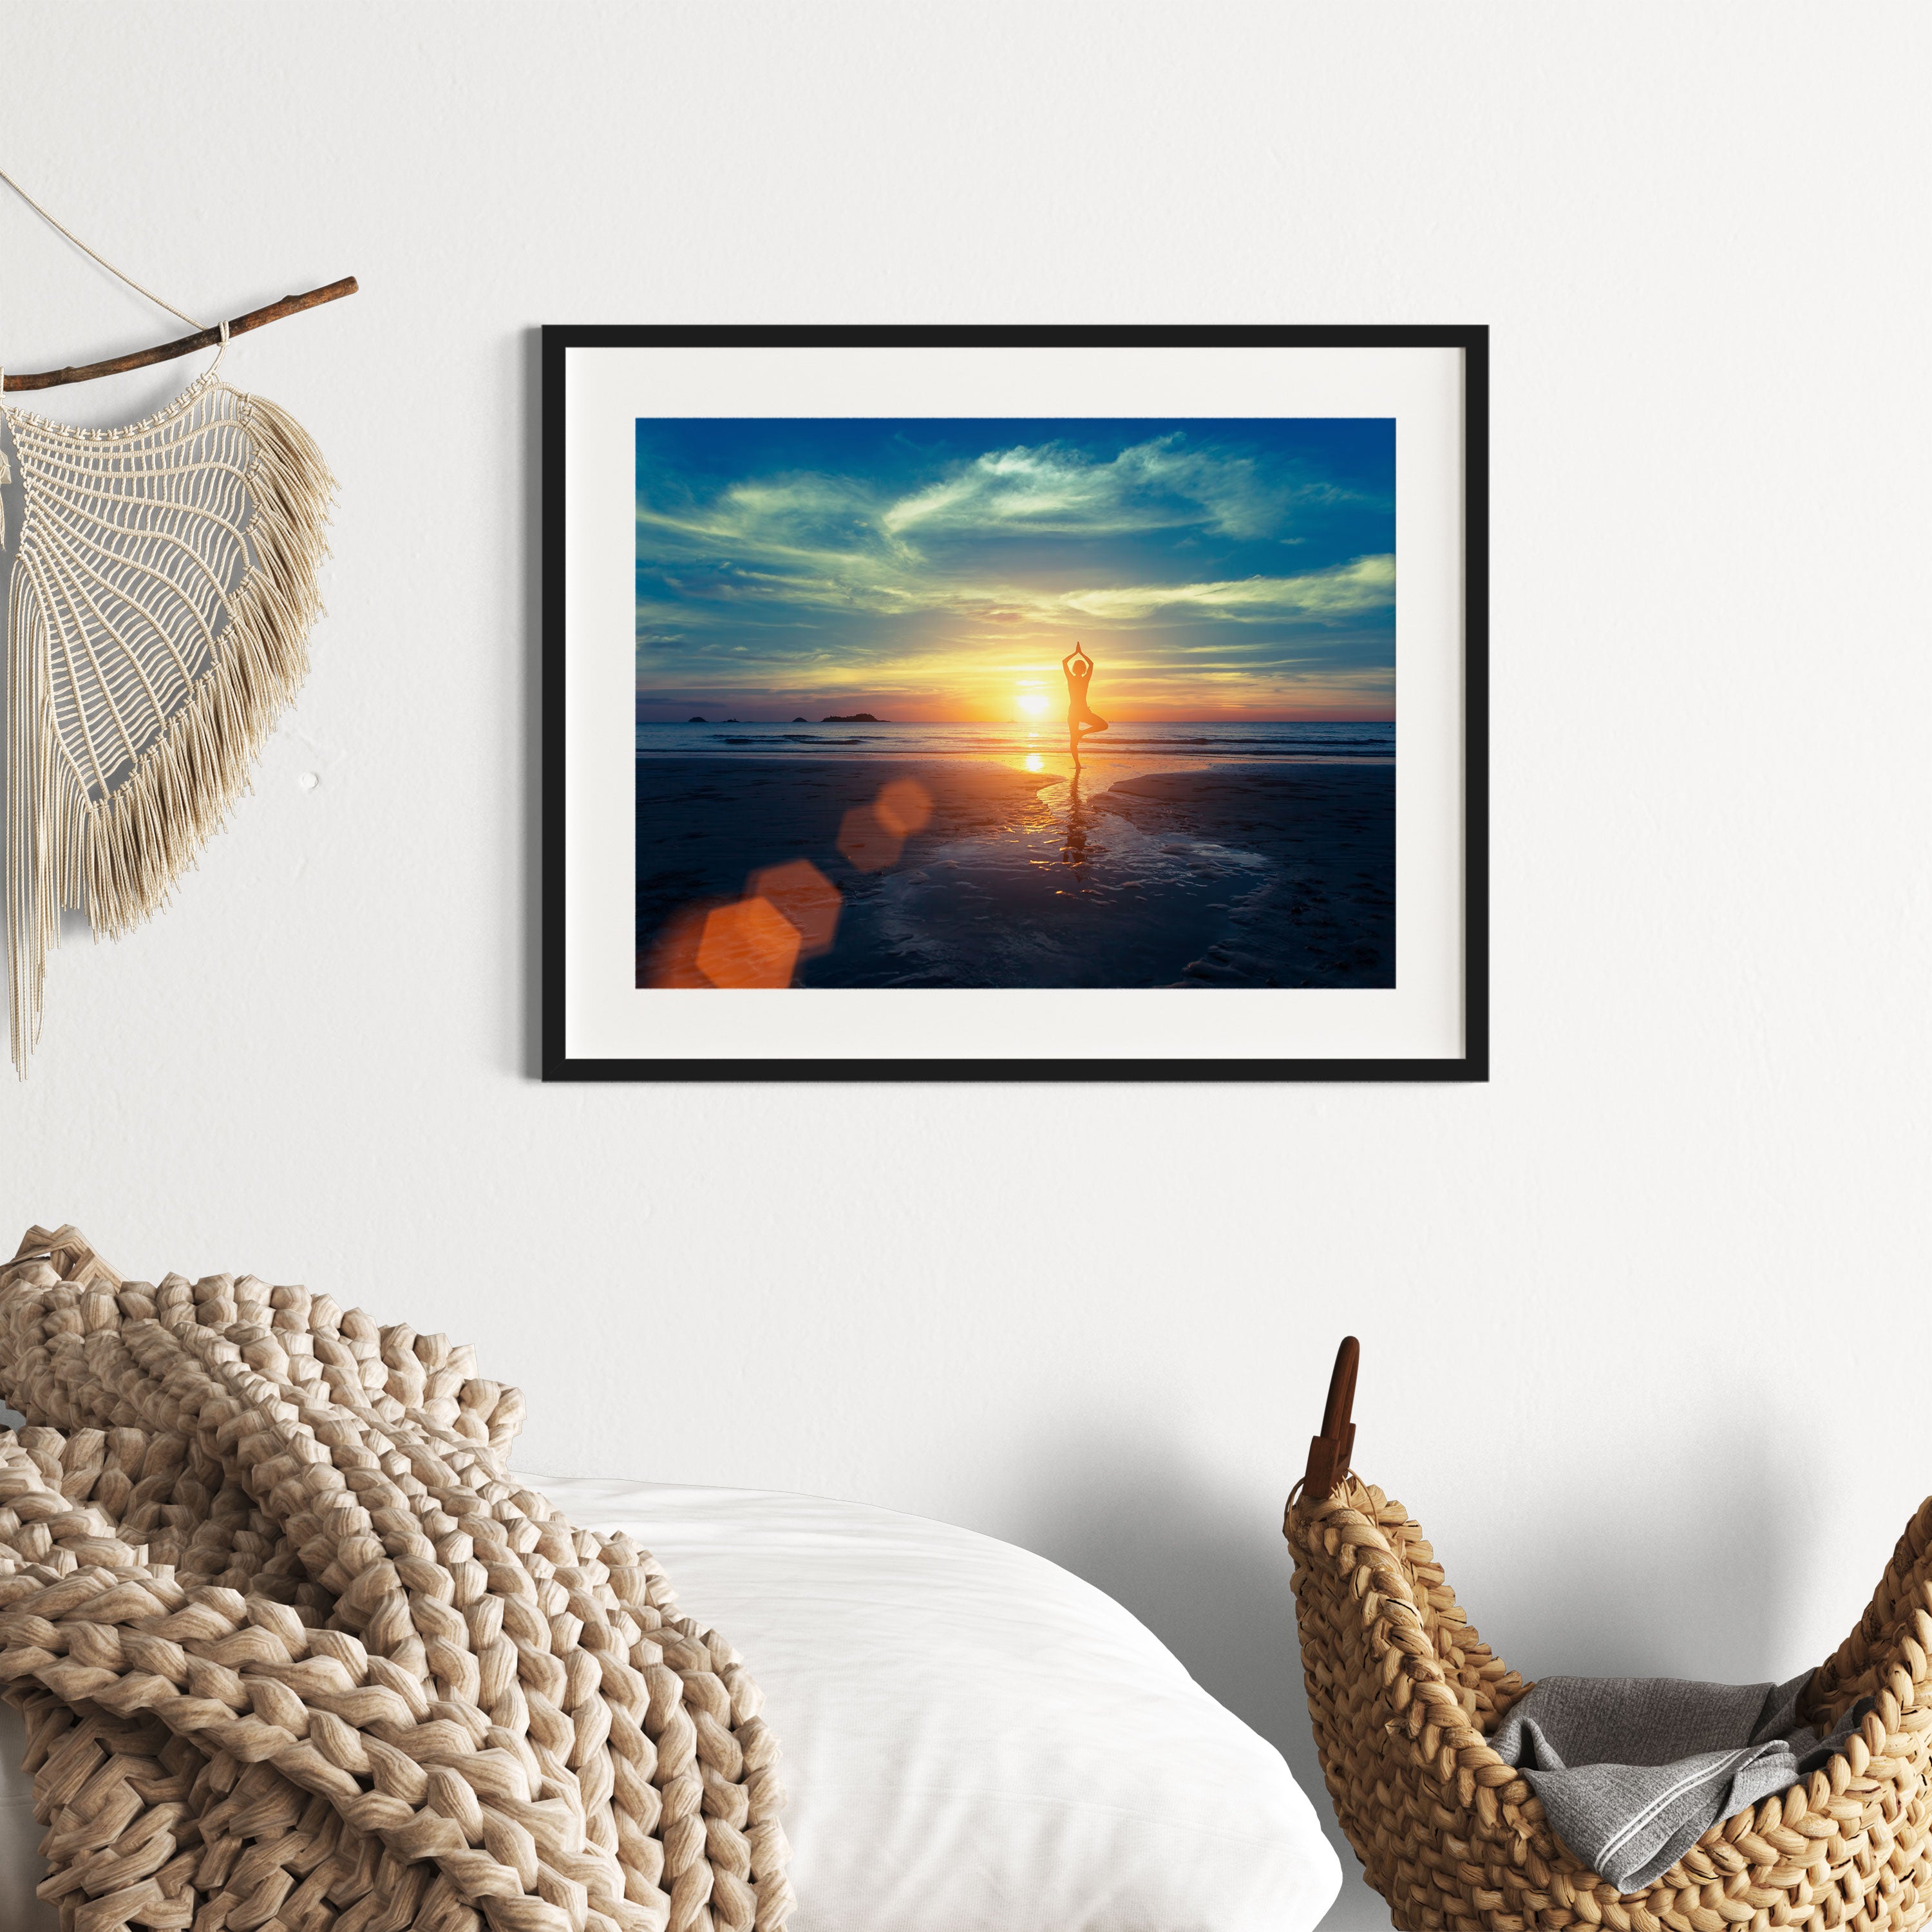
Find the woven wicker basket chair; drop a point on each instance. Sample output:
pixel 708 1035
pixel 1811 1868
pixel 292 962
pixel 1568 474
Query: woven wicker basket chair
pixel 1403 1693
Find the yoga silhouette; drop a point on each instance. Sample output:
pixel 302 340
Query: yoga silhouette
pixel 1082 721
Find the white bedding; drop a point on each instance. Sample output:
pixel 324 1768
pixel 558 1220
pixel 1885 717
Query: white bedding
pixel 974 1739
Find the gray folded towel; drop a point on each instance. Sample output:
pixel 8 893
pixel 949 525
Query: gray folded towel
pixel 1634 1771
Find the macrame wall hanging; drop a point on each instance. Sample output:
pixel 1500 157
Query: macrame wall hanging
pixel 161 589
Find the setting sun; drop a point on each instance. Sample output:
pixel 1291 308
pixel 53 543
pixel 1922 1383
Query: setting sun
pixel 1033 704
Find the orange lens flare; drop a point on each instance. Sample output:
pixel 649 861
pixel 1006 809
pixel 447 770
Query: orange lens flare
pixel 872 836
pixel 903 807
pixel 806 897
pixel 866 844
pixel 750 944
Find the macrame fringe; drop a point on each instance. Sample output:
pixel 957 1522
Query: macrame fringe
pixel 117 858
pixel 46 809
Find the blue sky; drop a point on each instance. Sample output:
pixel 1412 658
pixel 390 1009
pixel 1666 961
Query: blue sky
pixel 931 569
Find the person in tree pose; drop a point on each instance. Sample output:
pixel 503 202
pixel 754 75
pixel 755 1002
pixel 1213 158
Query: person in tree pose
pixel 1081 718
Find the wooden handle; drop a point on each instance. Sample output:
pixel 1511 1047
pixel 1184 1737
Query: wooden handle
pixel 1329 1453
pixel 186 345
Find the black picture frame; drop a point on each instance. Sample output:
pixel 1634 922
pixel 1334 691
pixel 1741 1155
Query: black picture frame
pixel 557 1064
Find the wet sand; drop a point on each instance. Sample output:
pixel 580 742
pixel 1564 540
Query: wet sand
pixel 1223 875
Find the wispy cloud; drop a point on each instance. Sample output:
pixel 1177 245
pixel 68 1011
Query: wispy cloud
pixel 1346 590
pixel 1368 584
pixel 1053 490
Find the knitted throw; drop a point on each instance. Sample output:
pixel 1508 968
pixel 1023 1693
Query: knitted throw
pixel 296 1655
pixel 161 593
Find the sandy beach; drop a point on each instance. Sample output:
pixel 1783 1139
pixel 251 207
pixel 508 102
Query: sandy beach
pixel 971 872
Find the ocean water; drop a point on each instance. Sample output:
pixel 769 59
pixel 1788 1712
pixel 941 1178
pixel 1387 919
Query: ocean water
pixel 1371 744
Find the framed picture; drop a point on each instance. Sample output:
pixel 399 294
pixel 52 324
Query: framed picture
pixel 1014 703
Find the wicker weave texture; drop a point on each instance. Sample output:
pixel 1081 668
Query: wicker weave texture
pixel 1403 1693
pixel 295 1655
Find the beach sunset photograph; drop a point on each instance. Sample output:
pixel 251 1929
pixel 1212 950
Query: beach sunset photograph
pixel 1039 702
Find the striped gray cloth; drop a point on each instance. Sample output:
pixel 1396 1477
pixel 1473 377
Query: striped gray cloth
pixel 1634 1771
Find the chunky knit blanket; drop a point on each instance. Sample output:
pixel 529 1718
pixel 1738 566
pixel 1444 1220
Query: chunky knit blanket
pixel 296 1655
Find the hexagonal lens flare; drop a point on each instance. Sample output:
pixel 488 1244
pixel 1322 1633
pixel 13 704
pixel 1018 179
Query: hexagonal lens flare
pixel 903 807
pixel 806 897
pixel 867 845
pixel 751 943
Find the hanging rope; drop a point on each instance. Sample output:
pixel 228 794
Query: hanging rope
pixel 120 275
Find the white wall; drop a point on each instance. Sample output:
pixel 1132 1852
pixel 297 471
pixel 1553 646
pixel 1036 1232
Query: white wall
pixel 1641 1317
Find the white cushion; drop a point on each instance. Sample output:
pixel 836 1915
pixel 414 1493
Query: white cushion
pixel 973 1738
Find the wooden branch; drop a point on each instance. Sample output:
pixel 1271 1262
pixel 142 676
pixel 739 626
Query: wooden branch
pixel 256 318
